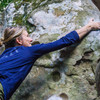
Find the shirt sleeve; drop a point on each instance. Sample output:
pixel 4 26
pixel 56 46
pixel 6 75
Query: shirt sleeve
pixel 41 49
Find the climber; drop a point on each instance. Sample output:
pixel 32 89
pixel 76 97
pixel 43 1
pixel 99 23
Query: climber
pixel 19 55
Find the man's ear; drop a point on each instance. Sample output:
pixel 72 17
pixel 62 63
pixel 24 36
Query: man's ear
pixel 19 41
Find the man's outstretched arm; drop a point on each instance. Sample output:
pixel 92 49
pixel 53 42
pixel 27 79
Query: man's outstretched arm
pixel 92 25
pixel 70 38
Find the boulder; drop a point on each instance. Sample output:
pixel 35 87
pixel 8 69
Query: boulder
pixel 69 71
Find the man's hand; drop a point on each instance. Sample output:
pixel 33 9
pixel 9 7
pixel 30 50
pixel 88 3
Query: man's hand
pixel 92 25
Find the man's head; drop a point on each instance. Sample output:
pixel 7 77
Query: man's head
pixel 16 36
pixel 24 39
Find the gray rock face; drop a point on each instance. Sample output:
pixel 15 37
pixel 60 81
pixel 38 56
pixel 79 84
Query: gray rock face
pixel 69 71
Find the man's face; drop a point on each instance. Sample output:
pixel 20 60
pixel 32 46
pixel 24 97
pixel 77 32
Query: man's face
pixel 25 39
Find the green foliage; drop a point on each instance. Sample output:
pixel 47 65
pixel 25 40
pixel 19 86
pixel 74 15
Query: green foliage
pixel 4 3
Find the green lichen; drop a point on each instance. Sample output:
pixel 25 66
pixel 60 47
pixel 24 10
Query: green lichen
pixel 40 3
pixel 18 19
pixel 21 19
pixel 59 12
pixel 18 4
pixel 45 38
pixel 81 17
pixel 78 92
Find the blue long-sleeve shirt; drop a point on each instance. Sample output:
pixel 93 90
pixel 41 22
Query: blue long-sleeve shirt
pixel 16 62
